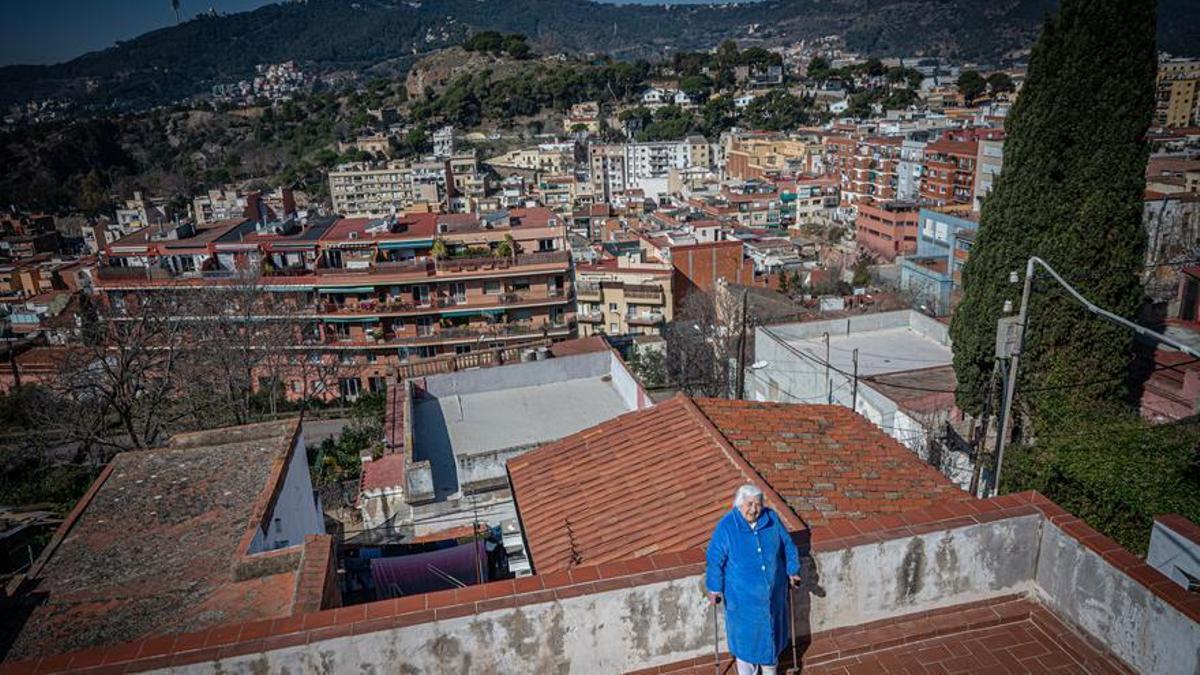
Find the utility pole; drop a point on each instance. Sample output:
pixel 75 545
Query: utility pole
pixel 741 355
pixel 1005 421
pixel 475 538
pixel 982 430
pixel 828 382
pixel 854 391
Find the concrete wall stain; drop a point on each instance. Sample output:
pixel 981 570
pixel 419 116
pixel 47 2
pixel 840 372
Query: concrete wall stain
pixel 949 572
pixel 910 576
pixel 522 635
pixel 637 615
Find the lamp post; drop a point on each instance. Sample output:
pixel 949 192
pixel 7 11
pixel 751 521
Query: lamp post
pixel 1010 388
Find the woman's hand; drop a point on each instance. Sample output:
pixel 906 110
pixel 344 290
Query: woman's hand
pixel 714 598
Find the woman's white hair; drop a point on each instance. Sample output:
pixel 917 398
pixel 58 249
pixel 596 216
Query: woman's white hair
pixel 747 491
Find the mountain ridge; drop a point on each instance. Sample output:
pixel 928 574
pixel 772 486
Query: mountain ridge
pixel 327 35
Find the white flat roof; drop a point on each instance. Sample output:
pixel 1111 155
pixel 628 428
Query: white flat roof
pixel 476 422
pixel 890 350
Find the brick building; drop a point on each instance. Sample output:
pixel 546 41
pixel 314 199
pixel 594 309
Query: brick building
pixel 887 229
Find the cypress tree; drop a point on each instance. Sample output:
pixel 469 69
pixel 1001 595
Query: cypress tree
pixel 1071 192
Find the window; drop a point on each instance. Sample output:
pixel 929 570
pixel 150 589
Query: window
pixel 424 326
pixel 426 352
pixel 612 306
pixel 297 386
pixel 545 245
pixel 278 525
pixel 520 284
pixel 377 384
pixel 941 232
pixel 349 388
pixel 462 349
pixel 929 228
pixel 372 357
pixel 491 288
pixel 613 328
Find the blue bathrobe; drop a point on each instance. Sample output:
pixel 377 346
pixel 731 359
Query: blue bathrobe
pixel 750 567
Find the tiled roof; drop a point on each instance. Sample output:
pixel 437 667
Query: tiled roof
pixel 827 461
pixel 152 548
pixel 651 481
pixel 657 480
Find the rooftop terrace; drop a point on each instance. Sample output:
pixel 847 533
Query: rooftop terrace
pixel 1008 585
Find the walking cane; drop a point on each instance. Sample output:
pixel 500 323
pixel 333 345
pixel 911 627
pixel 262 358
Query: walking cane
pixel 716 643
pixel 795 669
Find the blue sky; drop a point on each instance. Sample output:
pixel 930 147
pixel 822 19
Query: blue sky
pixel 50 31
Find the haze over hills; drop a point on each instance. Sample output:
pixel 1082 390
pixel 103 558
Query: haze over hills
pixel 175 62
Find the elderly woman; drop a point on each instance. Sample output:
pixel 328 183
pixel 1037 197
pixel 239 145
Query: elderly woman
pixel 750 560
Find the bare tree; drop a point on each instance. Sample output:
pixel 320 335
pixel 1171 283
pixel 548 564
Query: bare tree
pixel 119 390
pixel 702 345
pixel 240 332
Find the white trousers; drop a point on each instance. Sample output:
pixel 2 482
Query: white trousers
pixel 744 668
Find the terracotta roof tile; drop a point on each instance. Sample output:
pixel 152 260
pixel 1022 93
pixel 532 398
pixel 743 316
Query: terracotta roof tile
pixel 152 548
pixel 657 480
pixel 827 461
pixel 646 482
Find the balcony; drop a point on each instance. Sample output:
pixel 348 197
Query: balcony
pixel 587 291
pixel 648 319
pixel 644 295
pixel 590 316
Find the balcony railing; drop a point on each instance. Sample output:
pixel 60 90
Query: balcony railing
pixel 643 293
pixel 587 291
pixel 590 316
pixel 652 319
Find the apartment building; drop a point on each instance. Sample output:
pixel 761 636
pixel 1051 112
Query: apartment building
pixel 988 163
pixel 887 229
pixel 628 294
pixel 748 204
pixel 549 158
pixel 1177 93
pixel 949 173
pixel 755 156
pixel 372 189
pixel 218 205
pixel 643 166
pixel 866 169
pixel 371 293
pixel 910 167
pixel 933 273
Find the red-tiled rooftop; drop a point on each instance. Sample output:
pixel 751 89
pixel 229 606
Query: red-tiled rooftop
pixel 417 225
pixel 656 480
pixel 153 547
pixel 827 461
pixel 619 489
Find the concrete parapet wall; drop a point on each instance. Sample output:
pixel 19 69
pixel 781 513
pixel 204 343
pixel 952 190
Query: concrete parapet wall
pixel 1078 583
pixel 914 574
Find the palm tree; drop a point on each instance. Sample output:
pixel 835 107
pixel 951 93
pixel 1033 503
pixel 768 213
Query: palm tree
pixel 438 250
pixel 506 248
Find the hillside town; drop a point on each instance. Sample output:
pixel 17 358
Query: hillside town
pixel 474 399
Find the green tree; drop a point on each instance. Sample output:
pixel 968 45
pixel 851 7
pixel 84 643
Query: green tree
pixel 1071 193
pixel 776 111
pixel 1000 83
pixel 971 85
pixel 818 68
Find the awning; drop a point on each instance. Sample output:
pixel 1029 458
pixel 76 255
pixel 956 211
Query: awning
pixel 351 319
pixel 472 312
pixel 348 289
pixel 420 243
